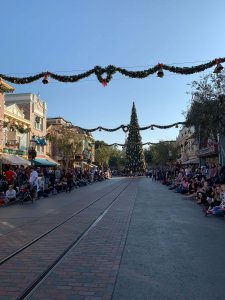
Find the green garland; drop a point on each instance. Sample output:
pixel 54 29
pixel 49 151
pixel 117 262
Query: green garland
pixel 17 127
pixel 142 144
pixel 105 75
pixel 126 128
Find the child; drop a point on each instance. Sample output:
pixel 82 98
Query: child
pixel 10 194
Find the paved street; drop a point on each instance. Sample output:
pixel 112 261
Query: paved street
pixel 172 250
pixel 148 244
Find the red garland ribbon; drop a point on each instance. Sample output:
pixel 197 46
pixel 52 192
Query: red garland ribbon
pixel 218 61
pixel 104 83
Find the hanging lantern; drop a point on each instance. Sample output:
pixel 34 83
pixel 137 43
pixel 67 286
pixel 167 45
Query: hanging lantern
pixel 99 129
pixel 45 80
pixel 218 67
pixel 152 128
pixel 177 126
pixel 160 72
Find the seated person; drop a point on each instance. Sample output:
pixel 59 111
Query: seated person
pixel 183 188
pixel 220 209
pixel 82 181
pixel 10 194
pixel 3 185
pixel 76 183
pixel 58 185
pixel 64 184
pixel 192 190
pixel 176 183
pixel 203 193
pixel 216 200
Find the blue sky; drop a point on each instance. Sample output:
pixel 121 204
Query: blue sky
pixel 71 36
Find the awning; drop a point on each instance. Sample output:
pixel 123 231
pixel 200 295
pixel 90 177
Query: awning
pixel 44 162
pixel 191 161
pixel 93 166
pixel 89 165
pixel 16 160
pixel 52 160
pixel 39 140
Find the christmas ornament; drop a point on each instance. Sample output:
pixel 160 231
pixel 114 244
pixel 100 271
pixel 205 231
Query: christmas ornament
pixel 160 71
pixel 45 80
pixel 218 67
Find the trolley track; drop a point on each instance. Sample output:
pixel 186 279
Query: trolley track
pixel 37 282
pixel 35 219
pixel 2 261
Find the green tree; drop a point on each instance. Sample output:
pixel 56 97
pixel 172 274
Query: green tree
pixel 163 153
pixel 99 144
pixel 117 159
pixel 207 110
pixel 102 154
pixel 148 155
pixel 67 142
pixel 134 155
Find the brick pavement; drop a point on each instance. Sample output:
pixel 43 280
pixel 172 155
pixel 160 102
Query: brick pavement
pixel 89 271
pixel 34 260
pixel 32 229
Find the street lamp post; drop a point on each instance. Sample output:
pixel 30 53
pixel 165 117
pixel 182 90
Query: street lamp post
pixel 32 152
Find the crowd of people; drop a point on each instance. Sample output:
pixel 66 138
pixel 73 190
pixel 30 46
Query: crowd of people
pixel 44 182
pixel 205 185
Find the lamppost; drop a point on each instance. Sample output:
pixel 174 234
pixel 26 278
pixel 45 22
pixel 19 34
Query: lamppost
pixel 32 152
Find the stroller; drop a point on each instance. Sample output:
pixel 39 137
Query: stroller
pixel 26 193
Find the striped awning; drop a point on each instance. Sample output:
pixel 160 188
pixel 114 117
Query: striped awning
pixel 12 159
pixel 44 162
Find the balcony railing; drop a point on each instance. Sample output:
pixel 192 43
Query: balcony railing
pixel 13 143
pixel 14 151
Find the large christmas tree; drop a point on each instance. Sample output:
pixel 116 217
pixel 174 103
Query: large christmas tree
pixel 135 162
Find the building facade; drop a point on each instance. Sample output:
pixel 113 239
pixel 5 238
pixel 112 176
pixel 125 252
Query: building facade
pixel 187 146
pixel 16 133
pixel 208 151
pixel 4 88
pixel 81 150
pixel 35 111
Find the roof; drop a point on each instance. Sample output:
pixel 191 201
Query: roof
pixel 5 87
